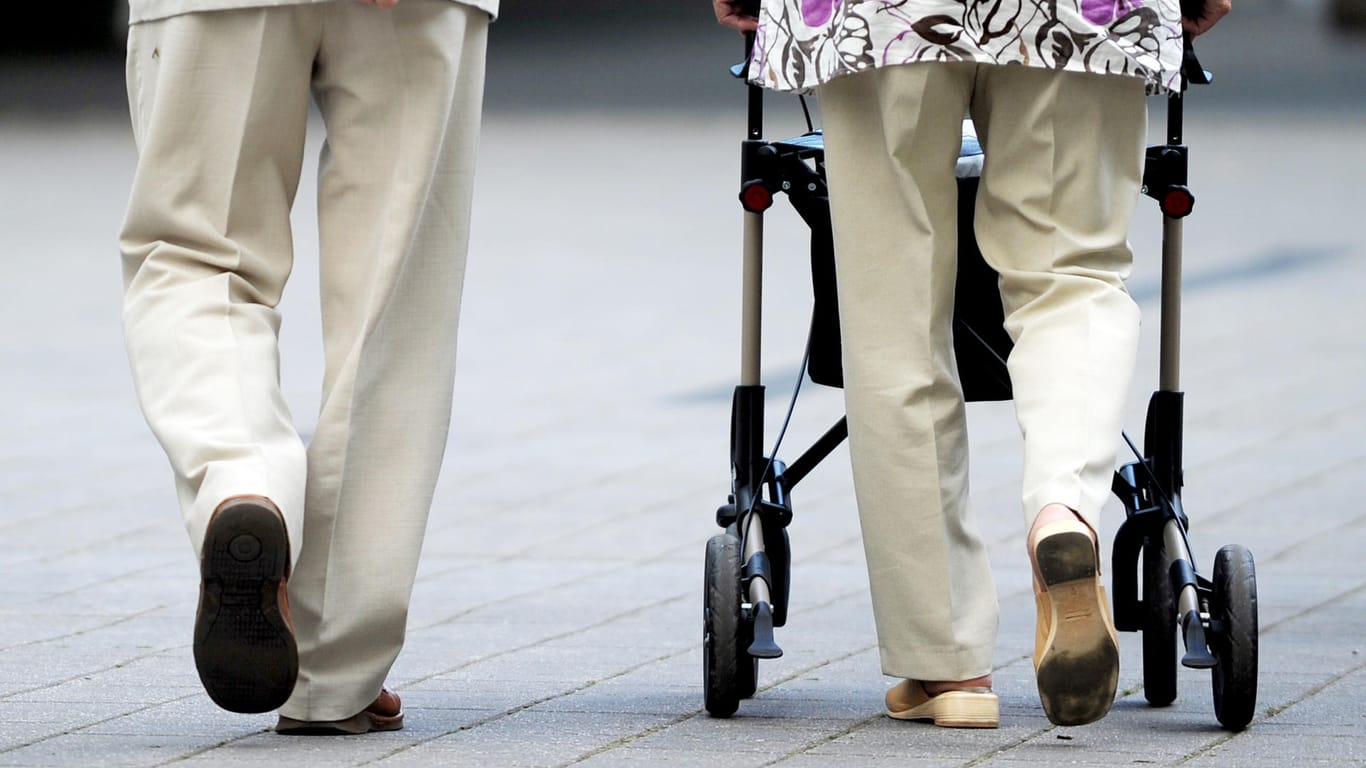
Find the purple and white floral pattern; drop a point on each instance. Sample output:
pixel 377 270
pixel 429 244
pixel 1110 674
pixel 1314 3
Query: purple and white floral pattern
pixel 804 43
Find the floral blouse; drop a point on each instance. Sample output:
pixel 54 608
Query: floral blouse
pixel 802 44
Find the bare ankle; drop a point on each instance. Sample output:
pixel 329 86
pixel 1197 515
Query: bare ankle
pixel 1052 513
pixel 936 687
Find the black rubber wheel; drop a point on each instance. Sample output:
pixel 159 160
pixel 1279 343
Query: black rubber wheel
pixel 729 673
pixel 1159 625
pixel 1233 613
pixel 778 546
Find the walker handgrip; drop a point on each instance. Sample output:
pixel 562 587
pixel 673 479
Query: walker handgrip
pixel 1190 65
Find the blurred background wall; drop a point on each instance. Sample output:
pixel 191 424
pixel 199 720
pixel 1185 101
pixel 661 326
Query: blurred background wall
pixel 567 54
pixel 546 52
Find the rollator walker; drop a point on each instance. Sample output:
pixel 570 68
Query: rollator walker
pixel 1156 586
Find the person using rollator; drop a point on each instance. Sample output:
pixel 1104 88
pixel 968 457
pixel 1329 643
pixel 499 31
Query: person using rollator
pixel 1057 94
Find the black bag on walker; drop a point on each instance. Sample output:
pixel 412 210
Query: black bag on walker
pixel 980 342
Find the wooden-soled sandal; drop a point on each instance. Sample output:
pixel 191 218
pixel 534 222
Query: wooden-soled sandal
pixel 966 708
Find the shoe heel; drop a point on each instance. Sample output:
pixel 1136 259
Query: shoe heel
pixel 1065 557
pixel 970 711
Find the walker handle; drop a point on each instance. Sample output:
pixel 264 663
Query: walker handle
pixel 749 8
pixel 1191 70
pixel 754 130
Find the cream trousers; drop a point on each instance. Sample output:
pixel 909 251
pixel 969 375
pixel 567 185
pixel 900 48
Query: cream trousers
pixel 219 102
pixel 1064 155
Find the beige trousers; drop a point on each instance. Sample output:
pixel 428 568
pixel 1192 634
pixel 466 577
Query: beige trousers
pixel 1064 155
pixel 219 102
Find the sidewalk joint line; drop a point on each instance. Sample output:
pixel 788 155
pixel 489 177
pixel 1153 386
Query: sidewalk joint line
pixel 528 705
pixel 1271 715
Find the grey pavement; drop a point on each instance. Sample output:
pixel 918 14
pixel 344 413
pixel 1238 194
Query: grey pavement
pixel 556 619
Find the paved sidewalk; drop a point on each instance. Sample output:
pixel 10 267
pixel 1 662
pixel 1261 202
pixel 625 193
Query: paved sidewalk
pixel 556 619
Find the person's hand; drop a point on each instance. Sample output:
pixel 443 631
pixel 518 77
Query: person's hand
pixel 380 3
pixel 728 13
pixel 1213 11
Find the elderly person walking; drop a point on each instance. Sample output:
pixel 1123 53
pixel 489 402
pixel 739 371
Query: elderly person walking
pixel 307 554
pixel 1056 91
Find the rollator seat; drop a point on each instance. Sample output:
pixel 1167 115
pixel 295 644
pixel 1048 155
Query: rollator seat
pixel 970 155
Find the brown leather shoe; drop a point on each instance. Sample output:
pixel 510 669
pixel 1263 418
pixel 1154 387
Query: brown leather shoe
pixel 244 645
pixel 385 713
pixel 961 708
pixel 1076 651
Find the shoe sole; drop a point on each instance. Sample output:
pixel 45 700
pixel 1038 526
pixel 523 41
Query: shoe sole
pixel 352 726
pixel 244 649
pixel 1079 669
pixel 955 709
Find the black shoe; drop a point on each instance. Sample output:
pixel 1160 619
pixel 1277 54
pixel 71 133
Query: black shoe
pixel 243 637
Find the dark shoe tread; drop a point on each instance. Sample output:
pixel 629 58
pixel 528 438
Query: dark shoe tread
pixel 1078 687
pixel 244 648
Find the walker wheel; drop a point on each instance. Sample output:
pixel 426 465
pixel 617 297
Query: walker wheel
pixel 1159 624
pixel 729 673
pixel 778 546
pixel 1233 616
